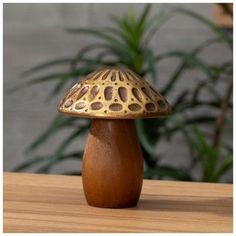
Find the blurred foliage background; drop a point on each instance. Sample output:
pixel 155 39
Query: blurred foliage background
pixel 128 43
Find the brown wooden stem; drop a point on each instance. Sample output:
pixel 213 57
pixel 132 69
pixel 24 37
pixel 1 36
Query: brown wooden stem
pixel 112 169
pixel 221 118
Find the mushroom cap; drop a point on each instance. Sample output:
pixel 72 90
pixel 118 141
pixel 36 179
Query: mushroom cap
pixel 114 93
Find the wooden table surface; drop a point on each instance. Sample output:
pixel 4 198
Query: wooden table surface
pixel 56 203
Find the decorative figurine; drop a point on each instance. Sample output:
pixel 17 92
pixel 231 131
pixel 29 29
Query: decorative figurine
pixel 112 170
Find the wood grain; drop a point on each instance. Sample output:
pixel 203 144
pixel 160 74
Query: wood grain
pixel 112 164
pixel 56 203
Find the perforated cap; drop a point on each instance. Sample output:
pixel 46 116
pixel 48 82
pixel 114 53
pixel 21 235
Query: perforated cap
pixel 114 93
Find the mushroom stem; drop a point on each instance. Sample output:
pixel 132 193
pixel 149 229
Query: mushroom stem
pixel 112 164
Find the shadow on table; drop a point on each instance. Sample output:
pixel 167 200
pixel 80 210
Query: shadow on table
pixel 216 206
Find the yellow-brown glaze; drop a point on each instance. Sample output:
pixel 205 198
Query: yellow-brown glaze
pixel 112 164
pixel 114 93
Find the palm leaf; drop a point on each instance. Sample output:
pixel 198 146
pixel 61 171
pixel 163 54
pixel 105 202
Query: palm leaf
pixel 29 163
pixel 58 123
pixel 151 67
pixel 59 153
pixel 188 59
pixel 208 23
pixel 57 89
pixel 99 34
pixel 153 25
pixel 43 79
pixel 143 137
pixel 46 65
pixel 81 55
pixel 143 17
pixel 226 165
pixel 36 160
pixel 167 171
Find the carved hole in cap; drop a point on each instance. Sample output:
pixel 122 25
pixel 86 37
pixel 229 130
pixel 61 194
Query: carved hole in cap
pixel 136 94
pixel 122 91
pixel 94 91
pixel 147 92
pixel 134 107
pixel 62 101
pixel 121 77
pixel 134 76
pixel 96 106
pixel 129 76
pixel 108 93
pixel 90 75
pixel 79 105
pixel 150 106
pixel 96 76
pixel 72 91
pixel 83 92
pixel 115 107
pixel 113 76
pixel 68 103
pixel 105 75
pixel 161 104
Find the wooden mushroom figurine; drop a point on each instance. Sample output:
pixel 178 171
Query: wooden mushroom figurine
pixel 112 171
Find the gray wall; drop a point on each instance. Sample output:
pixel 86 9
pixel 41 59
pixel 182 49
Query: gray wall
pixel 34 33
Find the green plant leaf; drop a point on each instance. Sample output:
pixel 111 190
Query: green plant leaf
pixel 58 123
pixel 81 55
pixel 226 165
pixel 128 34
pixel 150 161
pixel 98 33
pixel 143 138
pixel 36 160
pixel 57 89
pixel 200 119
pixel 168 171
pixel 43 79
pixel 181 107
pixel 112 43
pixel 191 146
pixel 151 67
pixel 59 153
pixel 195 62
pixel 144 15
pixel 46 65
pixel 153 25
pixel 208 23
pixel 188 58
pixel 29 163
pixel 207 154
pixel 181 98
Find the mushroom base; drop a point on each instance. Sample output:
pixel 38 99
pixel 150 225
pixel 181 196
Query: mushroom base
pixel 112 169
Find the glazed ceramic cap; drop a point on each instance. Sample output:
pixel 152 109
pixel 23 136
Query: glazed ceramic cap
pixel 114 93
